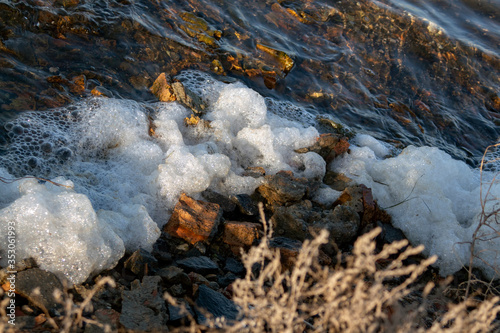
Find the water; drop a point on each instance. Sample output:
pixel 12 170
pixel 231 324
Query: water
pixel 414 72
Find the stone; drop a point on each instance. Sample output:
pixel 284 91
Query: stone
pixel 109 320
pixel 143 307
pixel 194 220
pixel 179 315
pixel 101 92
pixel 161 251
pixel 214 303
pixel 174 275
pixel 226 280
pixel 254 172
pixel 38 287
pixel 328 145
pixel 245 204
pixel 343 224
pixel 223 201
pixel 187 98
pixel 140 262
pixel 289 250
pixel 283 188
pixel 234 266
pixel 201 265
pixel 336 181
pixel 291 221
pixel 360 199
pixel 162 89
pixel 241 234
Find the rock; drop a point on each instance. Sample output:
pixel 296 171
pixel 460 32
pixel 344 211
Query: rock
pixel 245 204
pixel 328 145
pixel 336 181
pixel 194 220
pixel 187 98
pixel 254 172
pixel 289 250
pixel 140 262
pixel 174 275
pixel 143 307
pixel 389 233
pixel 38 287
pixel 223 201
pixel 161 251
pixel 291 221
pixel 108 318
pixel 360 199
pixel 214 303
pixel 234 266
pixel 177 315
pixel 162 89
pixel 202 265
pixel 343 224
pixel 240 234
pixel 101 91
pixel 283 189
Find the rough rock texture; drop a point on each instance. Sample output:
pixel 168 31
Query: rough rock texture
pixel 162 89
pixel 337 181
pixel 201 264
pixel 283 189
pixel 289 250
pixel 329 146
pixel 38 287
pixel 291 221
pixel 194 220
pixel 240 234
pixel 140 261
pixel 109 318
pixel 214 303
pixel 188 98
pixel 143 307
pixel 245 204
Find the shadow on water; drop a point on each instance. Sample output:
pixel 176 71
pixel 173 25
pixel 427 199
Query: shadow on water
pixel 417 72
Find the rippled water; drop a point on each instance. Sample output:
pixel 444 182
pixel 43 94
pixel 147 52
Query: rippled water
pixel 415 72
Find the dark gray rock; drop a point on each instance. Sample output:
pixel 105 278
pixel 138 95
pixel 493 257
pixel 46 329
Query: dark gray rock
pixel 177 315
pixel 143 307
pixel 38 287
pixel 245 204
pixel 226 280
pixel 137 262
pixel 223 201
pixel 214 303
pixel 201 265
pixel 234 266
pixel 291 221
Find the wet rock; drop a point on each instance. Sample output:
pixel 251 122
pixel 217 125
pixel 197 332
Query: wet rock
pixel 360 199
pixel 143 307
pixel 336 181
pixel 140 262
pixel 254 172
pixel 289 250
pixel 328 145
pixel 223 201
pixel 291 221
pixel 187 98
pixel 234 266
pixel 194 220
pixel 38 287
pixel 101 91
pixel 343 224
pixel 240 234
pixel 162 89
pixel 214 303
pixel 108 318
pixel 245 204
pixel 201 265
pixel 283 189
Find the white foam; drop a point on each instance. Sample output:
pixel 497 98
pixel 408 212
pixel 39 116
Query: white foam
pixel 127 182
pixel 431 197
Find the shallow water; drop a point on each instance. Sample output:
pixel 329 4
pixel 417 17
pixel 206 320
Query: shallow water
pixel 415 72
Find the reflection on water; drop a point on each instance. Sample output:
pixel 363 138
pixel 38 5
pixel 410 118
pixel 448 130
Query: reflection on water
pixel 419 72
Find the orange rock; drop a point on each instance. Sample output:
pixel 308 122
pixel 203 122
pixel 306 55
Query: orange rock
pixel 162 89
pixel 241 234
pixel 194 220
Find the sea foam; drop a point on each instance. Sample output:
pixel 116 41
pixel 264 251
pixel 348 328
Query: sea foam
pixel 432 198
pixel 124 165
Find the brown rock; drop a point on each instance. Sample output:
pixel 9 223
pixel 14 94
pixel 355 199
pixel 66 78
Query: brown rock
pixel 240 234
pixel 360 199
pixel 283 189
pixel 328 145
pixel 162 89
pixel 79 84
pixel 291 221
pixel 337 181
pixel 194 220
